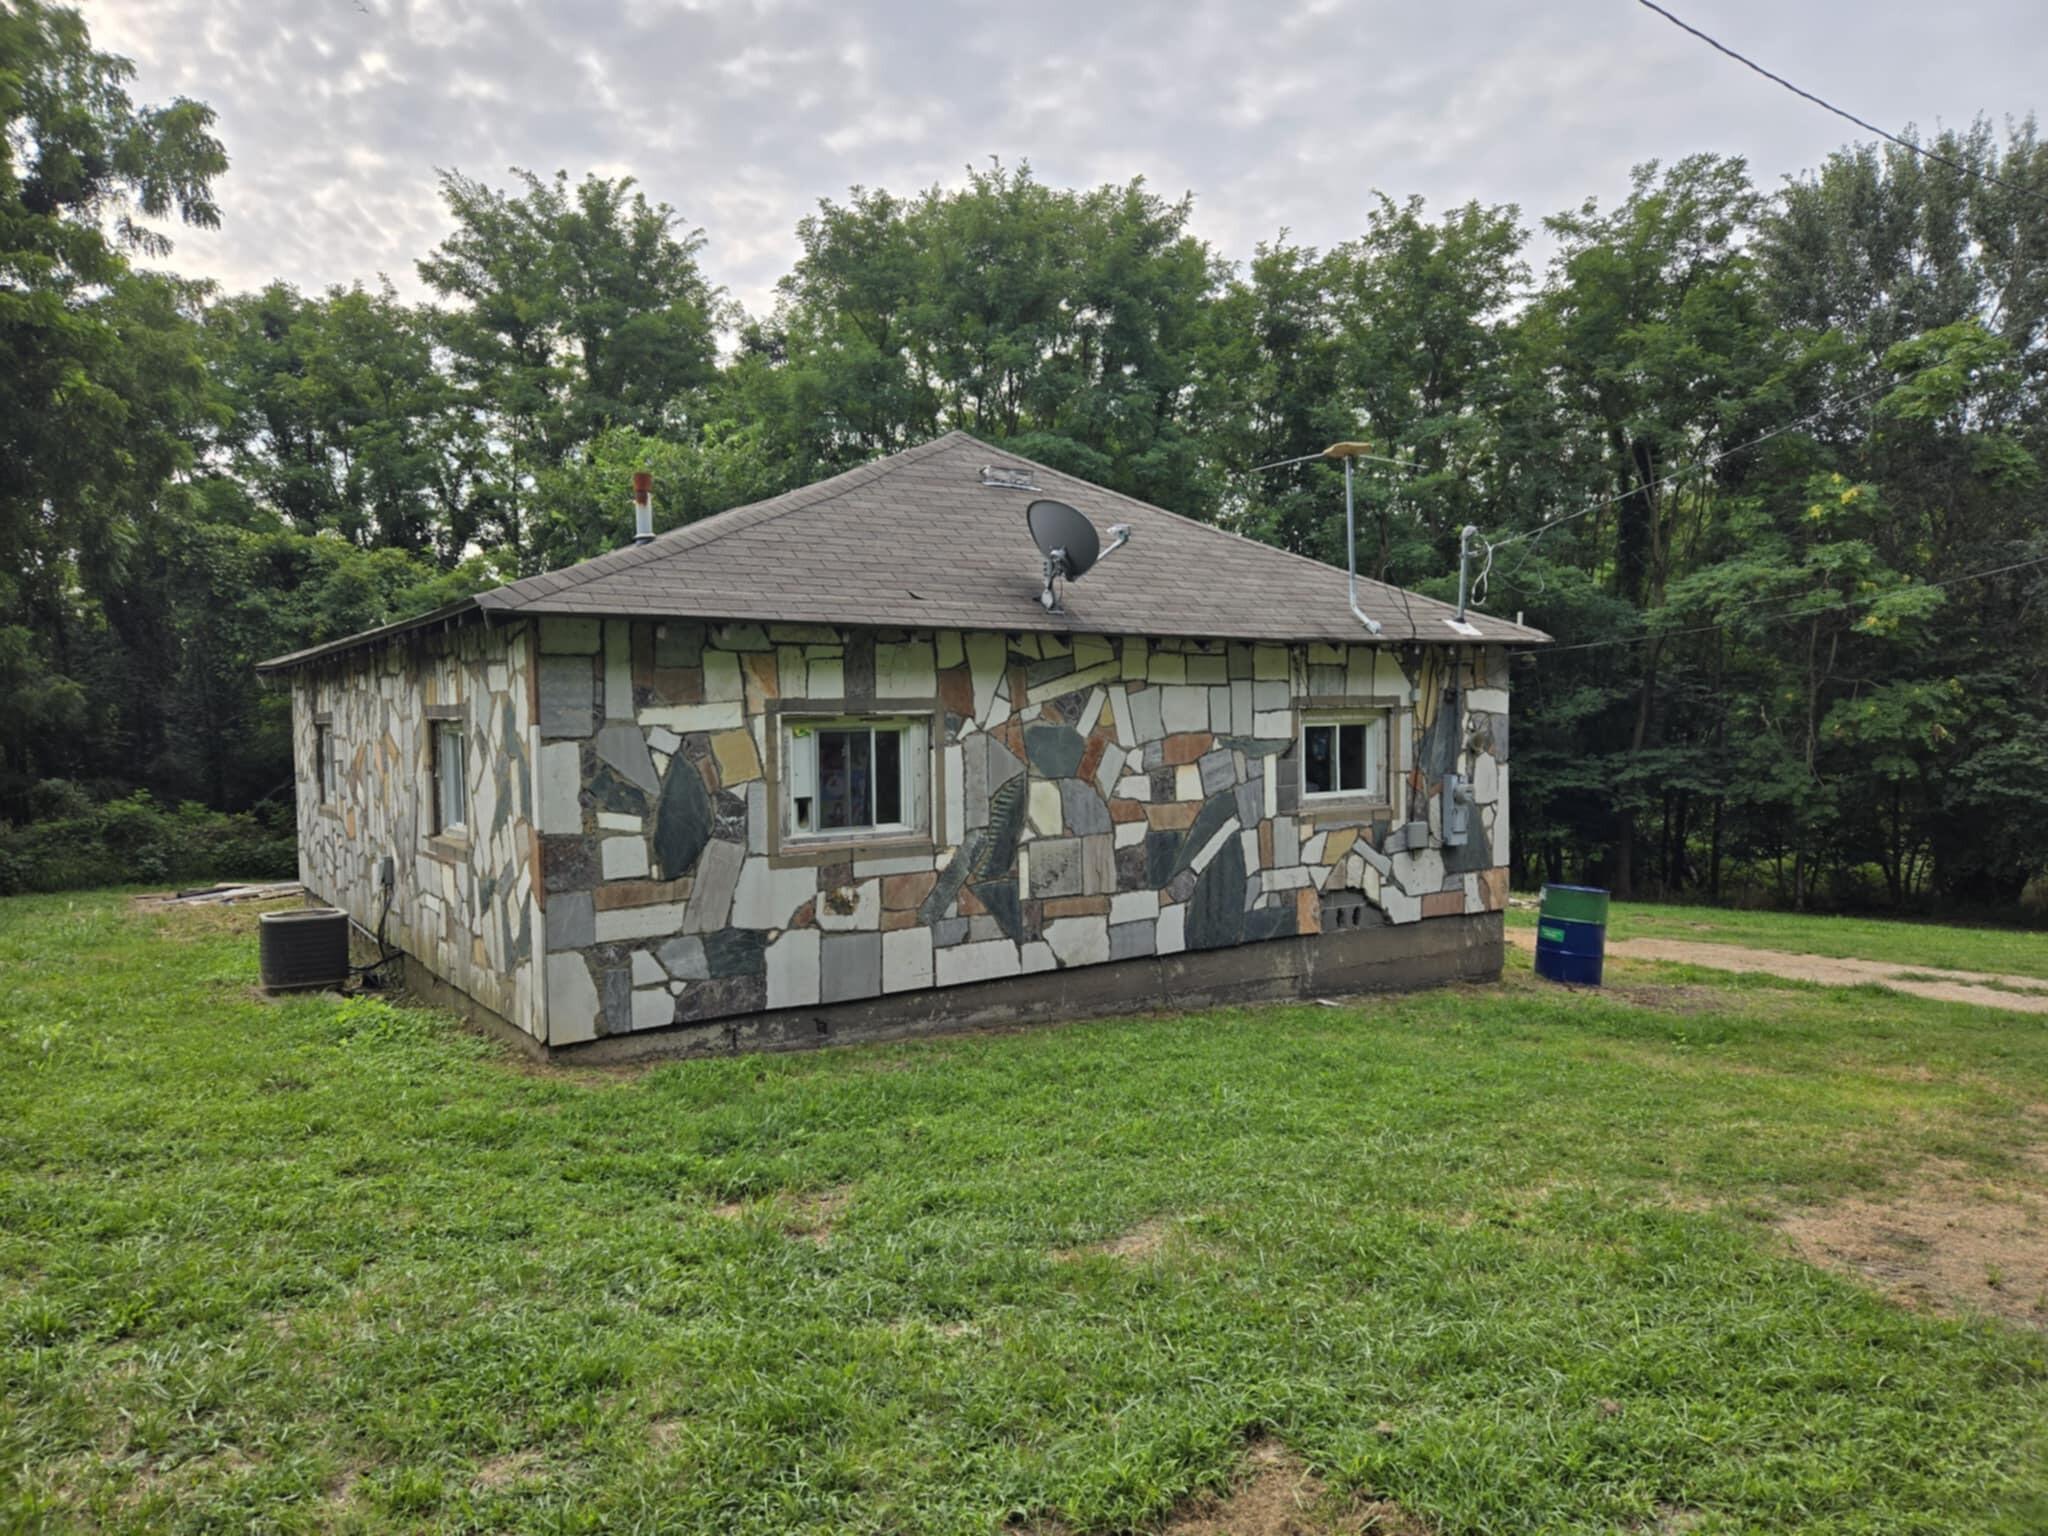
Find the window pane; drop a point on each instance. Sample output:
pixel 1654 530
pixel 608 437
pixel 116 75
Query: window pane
pixel 888 777
pixel 1316 761
pixel 843 780
pixel 448 776
pixel 1351 757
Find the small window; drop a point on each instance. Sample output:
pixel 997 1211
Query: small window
pixel 451 786
pixel 1344 756
pixel 325 773
pixel 852 776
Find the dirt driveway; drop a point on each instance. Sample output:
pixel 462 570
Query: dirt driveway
pixel 2016 994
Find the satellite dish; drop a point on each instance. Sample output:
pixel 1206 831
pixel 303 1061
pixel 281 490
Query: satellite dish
pixel 1069 544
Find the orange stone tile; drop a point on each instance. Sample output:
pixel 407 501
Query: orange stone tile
pixel 1126 810
pixel 1174 813
pixel 970 904
pixel 1443 904
pixel 1185 747
pixel 1493 889
pixel 761 673
pixel 806 916
pixel 956 691
pixel 900 891
pixel 1265 845
pixel 1073 906
pixel 1308 911
pixel 676 685
pixel 893 921
pixel 617 894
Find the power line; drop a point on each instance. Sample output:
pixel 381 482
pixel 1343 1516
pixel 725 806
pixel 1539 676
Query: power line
pixel 1707 629
pixel 1707 463
pixel 1828 106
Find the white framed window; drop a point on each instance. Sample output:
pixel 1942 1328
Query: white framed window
pixel 1344 756
pixel 325 773
pixel 451 784
pixel 855 776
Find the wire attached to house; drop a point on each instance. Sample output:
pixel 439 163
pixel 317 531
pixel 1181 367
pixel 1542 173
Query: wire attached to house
pixel 1827 106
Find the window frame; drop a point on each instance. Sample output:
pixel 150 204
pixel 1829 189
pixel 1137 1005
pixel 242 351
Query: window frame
pixel 1375 791
pixel 794 726
pixel 326 770
pixel 442 725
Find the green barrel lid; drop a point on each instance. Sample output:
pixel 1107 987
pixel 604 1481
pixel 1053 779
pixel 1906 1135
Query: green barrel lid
pixel 1575 903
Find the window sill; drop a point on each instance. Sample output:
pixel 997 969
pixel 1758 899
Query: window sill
pixel 1340 810
pixel 826 849
pixel 449 847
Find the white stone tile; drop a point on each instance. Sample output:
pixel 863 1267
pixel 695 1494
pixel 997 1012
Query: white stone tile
pixel 612 821
pixel 1136 661
pixel 793 969
pixel 662 739
pixel 1274 724
pixel 1073 681
pixel 1038 956
pixel 951 651
pixel 1135 786
pixel 572 1000
pixel 647 971
pixel 900 864
pixel 1130 833
pixel 1045 807
pixel 953 766
pixel 722 683
pixel 561 781
pixel 653 1007
pixel 655 922
pixel 827 678
pixel 1079 940
pixel 1120 712
pixel 1184 708
pixel 1170 937
pixel 851 909
pixel 1493 700
pixel 1133 906
pixel 625 858
pixel 961 963
pixel 1108 769
pixel 729 715
pixel 905 671
pixel 1167 667
pixel 987 656
pixel 618 669
pixel 1269 661
pixel 906 959
pixel 766 897
pixel 1187 782
pixel 1207 852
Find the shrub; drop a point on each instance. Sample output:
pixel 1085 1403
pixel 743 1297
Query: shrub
pixel 136 841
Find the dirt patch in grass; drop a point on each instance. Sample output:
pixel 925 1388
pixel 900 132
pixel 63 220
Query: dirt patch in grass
pixel 1278 1496
pixel 1948 1243
pixel 1152 1239
pixel 809 1216
pixel 503 1471
pixel 1681 999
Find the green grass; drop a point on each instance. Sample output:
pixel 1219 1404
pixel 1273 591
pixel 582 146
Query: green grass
pixel 2012 950
pixel 325 1265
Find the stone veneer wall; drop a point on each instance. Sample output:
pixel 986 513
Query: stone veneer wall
pixel 1094 800
pixel 464 907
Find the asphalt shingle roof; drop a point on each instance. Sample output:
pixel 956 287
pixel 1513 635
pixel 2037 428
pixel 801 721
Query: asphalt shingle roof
pixel 918 540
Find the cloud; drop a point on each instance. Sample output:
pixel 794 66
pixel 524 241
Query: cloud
pixel 743 113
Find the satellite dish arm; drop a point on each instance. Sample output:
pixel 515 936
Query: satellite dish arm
pixel 1119 536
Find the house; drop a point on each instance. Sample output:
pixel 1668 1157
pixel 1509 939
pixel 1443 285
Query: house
pixel 825 768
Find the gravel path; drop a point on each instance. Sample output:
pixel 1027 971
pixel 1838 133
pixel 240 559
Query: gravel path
pixel 2029 994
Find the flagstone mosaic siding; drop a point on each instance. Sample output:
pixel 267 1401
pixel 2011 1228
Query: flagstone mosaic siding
pixel 463 905
pixel 1090 800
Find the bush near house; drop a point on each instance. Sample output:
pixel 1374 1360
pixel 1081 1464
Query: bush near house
pixel 135 840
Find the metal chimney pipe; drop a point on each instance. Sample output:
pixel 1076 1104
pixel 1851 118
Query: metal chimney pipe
pixel 643 507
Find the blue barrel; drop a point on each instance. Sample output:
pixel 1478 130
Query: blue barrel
pixel 1571 934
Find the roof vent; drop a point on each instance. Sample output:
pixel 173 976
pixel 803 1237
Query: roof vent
pixel 1008 477
pixel 643 507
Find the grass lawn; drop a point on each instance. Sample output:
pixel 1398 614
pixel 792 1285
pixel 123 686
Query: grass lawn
pixel 2012 950
pixel 1504 1257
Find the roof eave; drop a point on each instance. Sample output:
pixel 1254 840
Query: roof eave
pixel 292 660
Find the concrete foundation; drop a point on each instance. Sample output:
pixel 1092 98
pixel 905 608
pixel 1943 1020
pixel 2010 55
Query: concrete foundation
pixel 1385 958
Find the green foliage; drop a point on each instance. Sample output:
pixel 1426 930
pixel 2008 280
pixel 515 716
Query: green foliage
pixel 1745 455
pixel 74 844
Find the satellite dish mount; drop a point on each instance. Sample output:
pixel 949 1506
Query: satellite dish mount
pixel 1068 545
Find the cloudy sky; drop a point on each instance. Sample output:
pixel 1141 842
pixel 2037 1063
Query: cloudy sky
pixel 743 113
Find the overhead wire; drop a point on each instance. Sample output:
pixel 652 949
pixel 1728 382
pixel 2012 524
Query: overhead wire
pixel 1789 614
pixel 1827 106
